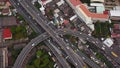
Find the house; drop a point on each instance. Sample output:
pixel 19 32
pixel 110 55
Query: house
pixel 66 22
pixel 5 11
pixel 116 31
pixel 109 4
pixel 8 21
pixel 8 4
pixel 7 34
pixel 2 2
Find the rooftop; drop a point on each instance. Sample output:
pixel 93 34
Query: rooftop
pixel 6 10
pixel 66 22
pixel 97 0
pixel 7 33
pixel 116 31
pixel 86 11
pixel 115 13
pixel 116 26
pixel 8 21
pixel 2 0
pixel 75 2
pixel 108 42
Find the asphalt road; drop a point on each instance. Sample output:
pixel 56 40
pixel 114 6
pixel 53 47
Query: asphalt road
pixel 19 61
pixel 93 41
pixel 43 23
pixel 37 29
pixel 77 34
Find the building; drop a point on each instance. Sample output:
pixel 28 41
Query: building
pixel 102 1
pixel 109 4
pixel 7 34
pixel 116 31
pixel 115 13
pixel 8 4
pixel 108 42
pixel 5 11
pixel 66 22
pixel 3 57
pixel 2 2
pixel 60 2
pixel 87 16
pixel 8 21
pixel 1 35
pixel 73 17
pixel 99 7
pixel 44 2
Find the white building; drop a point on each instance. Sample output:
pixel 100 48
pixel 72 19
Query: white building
pixel 97 1
pixel 60 2
pixel 73 17
pixel 115 13
pixel 108 42
pixel 99 7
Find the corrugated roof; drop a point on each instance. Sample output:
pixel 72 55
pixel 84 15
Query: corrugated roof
pixel 75 2
pixel 2 0
pixel 8 21
pixel 7 33
pixel 116 26
pixel 66 22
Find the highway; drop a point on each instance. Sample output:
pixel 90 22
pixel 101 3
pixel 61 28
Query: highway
pixel 37 29
pixel 77 34
pixel 27 17
pixel 91 39
pixel 98 44
pixel 43 23
pixel 84 57
pixel 54 33
pixel 31 45
pixel 19 61
pixel 28 48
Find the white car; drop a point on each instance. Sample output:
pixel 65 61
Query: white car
pixel 33 44
pixel 103 48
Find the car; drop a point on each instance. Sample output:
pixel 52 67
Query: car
pixel 33 44
pixel 83 58
pixel 76 64
pixel 103 48
pixel 18 4
pixel 67 47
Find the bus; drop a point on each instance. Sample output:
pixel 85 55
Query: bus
pixel 114 54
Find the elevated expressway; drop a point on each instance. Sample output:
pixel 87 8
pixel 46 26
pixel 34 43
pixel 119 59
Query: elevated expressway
pixel 43 23
pixel 39 18
pixel 64 32
pixel 34 14
pixel 38 30
pixel 29 47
